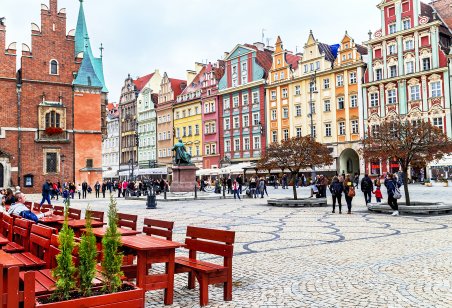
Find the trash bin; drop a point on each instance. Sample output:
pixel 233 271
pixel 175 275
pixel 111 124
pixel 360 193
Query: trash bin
pixel 151 203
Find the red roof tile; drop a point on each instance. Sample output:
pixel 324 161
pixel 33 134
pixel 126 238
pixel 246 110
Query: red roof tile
pixel 178 86
pixel 263 58
pixel 292 60
pixel 444 9
pixel 196 84
pixel 142 81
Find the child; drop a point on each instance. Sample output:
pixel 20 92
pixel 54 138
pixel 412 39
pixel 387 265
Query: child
pixel 378 194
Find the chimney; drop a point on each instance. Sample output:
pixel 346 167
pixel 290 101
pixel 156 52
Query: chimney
pixel 260 46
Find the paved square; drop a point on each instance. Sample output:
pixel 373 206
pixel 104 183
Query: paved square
pixel 309 257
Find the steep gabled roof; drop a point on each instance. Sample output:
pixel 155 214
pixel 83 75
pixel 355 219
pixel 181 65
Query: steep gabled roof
pixel 81 31
pixel 326 49
pixel 196 84
pixel 86 75
pixel 178 86
pixel 293 60
pixel 263 58
pixel 444 10
pixel 142 81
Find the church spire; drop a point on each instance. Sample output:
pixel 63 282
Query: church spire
pixel 81 32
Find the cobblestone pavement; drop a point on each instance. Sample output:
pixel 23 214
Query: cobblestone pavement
pixel 309 257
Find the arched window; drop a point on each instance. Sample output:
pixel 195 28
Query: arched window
pixel 53 67
pixel 52 119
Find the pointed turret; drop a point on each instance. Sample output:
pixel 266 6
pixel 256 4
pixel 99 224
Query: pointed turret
pixel 87 75
pixel 81 32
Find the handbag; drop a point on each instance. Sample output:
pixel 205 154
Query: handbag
pixel 397 194
pixel 351 192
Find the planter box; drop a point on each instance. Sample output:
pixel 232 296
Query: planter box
pixel 130 299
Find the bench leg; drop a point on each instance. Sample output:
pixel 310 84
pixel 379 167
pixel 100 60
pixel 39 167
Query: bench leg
pixel 191 280
pixel 203 290
pixel 227 291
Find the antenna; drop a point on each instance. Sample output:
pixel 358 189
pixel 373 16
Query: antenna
pixel 263 35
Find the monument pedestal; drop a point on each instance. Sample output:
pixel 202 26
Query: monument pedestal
pixel 184 178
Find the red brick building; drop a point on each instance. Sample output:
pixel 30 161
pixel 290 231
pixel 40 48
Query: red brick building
pixel 38 136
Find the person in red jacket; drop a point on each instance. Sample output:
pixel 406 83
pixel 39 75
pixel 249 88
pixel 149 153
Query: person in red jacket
pixel 378 194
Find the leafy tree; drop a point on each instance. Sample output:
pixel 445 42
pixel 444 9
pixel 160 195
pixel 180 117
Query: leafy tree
pixel 410 143
pixel 295 154
pixel 87 256
pixel 65 270
pixel 112 257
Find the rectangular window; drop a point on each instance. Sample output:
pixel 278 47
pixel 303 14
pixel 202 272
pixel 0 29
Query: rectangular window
pixel 327 105
pixel 184 131
pixel 178 132
pixel 227 124
pixel 326 83
pixel 285 93
pixel 227 145
pixel 391 49
pixel 298 110
pixel 328 130
pixel 196 129
pixel 426 64
pixel 341 128
pixel 274 136
pixel 352 78
pixel 406 24
pixel 339 80
pixel 255 97
pixel 353 101
pixel 51 162
pixel 246 120
pixel 355 129
pixel 207 149
pixel 393 71
pixel 436 88
pixel 275 76
pixel 410 67
pixel 311 66
pixel 298 129
pixel 392 96
pixel 190 130
pixel 246 143
pixel 285 113
pixel 257 143
pixel 374 100
pixel 256 119
pixel 340 103
pixel 305 68
pixel 244 99
pixel 273 95
pixel 206 129
pixel 415 93
pixel 409 45
pixel 274 114
pixel 213 148
pixel 438 122
pixel 226 104
pixel 379 74
pixel 297 90
pixel 206 109
pixel 392 29
pixel 286 134
pixel 89 163
pixel 197 150
pixel 237 145
pixel 235 101
pixel 236 122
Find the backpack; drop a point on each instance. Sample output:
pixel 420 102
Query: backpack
pixel 29 215
pixel 351 191
pixel 397 194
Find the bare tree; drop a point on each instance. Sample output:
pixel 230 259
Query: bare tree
pixel 295 154
pixel 410 143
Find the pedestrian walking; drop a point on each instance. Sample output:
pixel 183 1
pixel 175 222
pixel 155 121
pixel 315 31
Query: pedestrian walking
pixel 119 189
pixel 229 183
pixel 97 189
pixel 79 190
pixel 336 190
pixel 253 187
pixel 46 187
pixel 392 186
pixel 322 184
pixel 367 187
pixel 124 188
pixel 235 189
pixel 104 189
pixel 84 189
pixel 240 182
pixel 378 194
pixel 262 187
pixel 349 192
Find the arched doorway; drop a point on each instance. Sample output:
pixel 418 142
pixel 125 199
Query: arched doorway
pixel 348 162
pixel 2 176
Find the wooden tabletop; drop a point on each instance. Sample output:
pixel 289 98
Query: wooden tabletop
pixel 81 223
pixel 3 240
pixel 52 219
pixel 100 232
pixel 146 242
pixel 8 260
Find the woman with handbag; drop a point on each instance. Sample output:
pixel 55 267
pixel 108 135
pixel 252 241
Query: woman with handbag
pixel 393 193
pixel 336 190
pixel 349 191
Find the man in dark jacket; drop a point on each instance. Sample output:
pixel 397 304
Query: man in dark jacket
pixel 367 187
pixel 46 188
pixel 84 189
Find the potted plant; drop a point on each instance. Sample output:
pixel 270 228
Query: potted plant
pixel 74 285
pixel 53 131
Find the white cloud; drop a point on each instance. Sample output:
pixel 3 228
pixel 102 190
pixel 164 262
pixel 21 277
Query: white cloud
pixel 141 35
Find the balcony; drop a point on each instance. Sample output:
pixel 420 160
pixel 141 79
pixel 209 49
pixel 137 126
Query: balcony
pixel 62 137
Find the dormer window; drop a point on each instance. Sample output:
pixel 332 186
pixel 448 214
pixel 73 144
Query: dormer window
pixel 53 67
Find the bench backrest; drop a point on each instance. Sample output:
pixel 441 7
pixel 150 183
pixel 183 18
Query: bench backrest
pixel 162 228
pixel 10 294
pixel 7 222
pixel 75 213
pixel 36 207
pixel 21 232
pixel 54 250
pixel 46 208
pixel 28 204
pixel 212 241
pixel 58 210
pixel 96 215
pixel 128 221
pixel 40 242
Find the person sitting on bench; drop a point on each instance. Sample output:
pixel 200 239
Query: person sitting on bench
pixel 18 208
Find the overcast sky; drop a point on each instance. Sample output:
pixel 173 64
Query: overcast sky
pixel 141 35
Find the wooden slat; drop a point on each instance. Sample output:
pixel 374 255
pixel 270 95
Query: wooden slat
pixel 159 223
pixel 202 266
pixel 211 234
pixel 127 220
pixel 29 290
pixel 13 287
pixel 167 234
pixel 29 259
pixel 41 231
pixel 210 247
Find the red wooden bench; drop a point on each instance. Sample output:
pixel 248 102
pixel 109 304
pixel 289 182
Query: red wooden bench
pixel 10 294
pixel 28 204
pixel 7 224
pixel 58 210
pixel 127 221
pixel 46 207
pixel 36 207
pixel 20 236
pixel 96 215
pixel 75 213
pixel 162 228
pixel 216 242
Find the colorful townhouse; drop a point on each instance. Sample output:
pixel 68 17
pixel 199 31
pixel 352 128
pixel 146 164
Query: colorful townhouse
pixel 210 99
pixel 407 71
pixel 242 118
pixel 169 90
pixel 147 118
pixel 187 115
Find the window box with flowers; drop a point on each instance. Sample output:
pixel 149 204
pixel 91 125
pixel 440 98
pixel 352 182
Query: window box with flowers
pixel 51 131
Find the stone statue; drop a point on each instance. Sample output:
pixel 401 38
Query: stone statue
pixel 181 157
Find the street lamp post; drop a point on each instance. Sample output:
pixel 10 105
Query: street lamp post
pixel 62 157
pixel 19 133
pixel 312 90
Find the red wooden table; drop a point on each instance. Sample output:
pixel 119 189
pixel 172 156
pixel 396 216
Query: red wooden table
pixel 78 224
pixel 154 250
pixel 3 240
pixel 100 232
pixel 53 221
pixel 8 260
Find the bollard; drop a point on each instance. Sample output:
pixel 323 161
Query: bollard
pixel 164 193
pixel 224 192
pixel 196 192
pixel 151 204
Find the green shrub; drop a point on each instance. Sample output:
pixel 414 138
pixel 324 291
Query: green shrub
pixel 112 257
pixel 87 257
